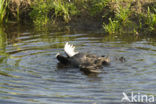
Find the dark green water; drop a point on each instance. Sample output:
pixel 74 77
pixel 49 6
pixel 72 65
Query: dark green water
pixel 29 73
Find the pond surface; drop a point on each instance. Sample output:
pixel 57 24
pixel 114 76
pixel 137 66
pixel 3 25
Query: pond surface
pixel 29 73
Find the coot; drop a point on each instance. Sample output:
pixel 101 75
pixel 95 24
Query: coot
pixel 85 61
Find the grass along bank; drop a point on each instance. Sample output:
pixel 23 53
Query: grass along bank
pixel 3 12
pixel 137 17
pixel 114 16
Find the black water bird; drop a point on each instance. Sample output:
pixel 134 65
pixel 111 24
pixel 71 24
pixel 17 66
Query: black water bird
pixel 85 61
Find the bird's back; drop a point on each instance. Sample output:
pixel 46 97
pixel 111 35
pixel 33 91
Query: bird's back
pixel 84 59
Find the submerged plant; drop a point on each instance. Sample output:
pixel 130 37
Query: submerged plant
pixel 3 6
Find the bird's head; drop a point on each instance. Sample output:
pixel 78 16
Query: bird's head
pixel 57 55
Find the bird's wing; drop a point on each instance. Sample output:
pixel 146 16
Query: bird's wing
pixel 69 50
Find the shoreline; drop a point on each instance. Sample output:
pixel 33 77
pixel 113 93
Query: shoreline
pixel 122 16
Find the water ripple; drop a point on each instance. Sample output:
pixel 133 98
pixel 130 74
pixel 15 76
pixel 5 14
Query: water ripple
pixel 29 73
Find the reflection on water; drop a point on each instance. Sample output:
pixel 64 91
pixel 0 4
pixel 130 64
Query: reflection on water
pixel 29 72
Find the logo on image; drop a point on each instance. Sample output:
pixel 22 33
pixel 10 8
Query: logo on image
pixel 137 98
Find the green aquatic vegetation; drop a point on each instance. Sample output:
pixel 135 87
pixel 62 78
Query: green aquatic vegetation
pixel 112 27
pixel 3 6
pixel 123 13
pixel 116 15
pixel 125 20
pixel 120 20
pixel 150 20
pixel 147 22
